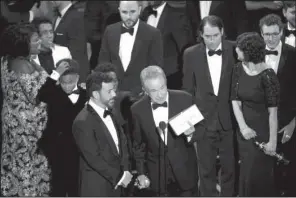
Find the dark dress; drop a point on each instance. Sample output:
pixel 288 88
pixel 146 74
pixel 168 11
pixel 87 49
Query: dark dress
pixel 256 93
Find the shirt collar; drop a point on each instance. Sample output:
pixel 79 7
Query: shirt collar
pixel 97 108
pixel 218 48
pixel 289 27
pixel 160 8
pixel 278 47
pixel 63 11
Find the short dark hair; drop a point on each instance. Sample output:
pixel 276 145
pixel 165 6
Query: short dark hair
pixel 271 19
pixel 288 4
pixel 212 20
pixel 73 66
pixel 41 20
pixel 15 40
pixel 98 76
pixel 253 47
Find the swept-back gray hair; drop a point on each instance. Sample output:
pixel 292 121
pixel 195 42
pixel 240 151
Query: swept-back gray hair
pixel 151 72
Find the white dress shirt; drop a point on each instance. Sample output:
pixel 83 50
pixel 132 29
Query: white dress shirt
pixel 290 40
pixel 126 46
pixel 152 20
pixel 58 53
pixel 273 60
pixel 204 7
pixel 161 114
pixel 215 66
pixel 107 121
pixel 62 14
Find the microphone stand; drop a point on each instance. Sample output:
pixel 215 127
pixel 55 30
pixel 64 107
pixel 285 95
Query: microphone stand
pixel 162 131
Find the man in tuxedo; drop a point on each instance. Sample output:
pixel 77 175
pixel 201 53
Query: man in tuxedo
pixel 280 56
pixel 64 102
pixel 176 33
pixel 167 160
pixel 69 32
pixel 97 16
pixel 289 30
pixel 50 53
pixel 233 14
pixel 131 45
pixel 104 164
pixel 207 76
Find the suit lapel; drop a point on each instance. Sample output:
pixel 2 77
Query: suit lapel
pixel 282 59
pixel 161 21
pixel 137 45
pixel 225 56
pixel 63 18
pixel 101 125
pixel 204 66
pixel 172 108
pixel 116 43
pixel 213 6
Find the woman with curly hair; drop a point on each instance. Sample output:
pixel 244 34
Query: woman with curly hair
pixel 24 170
pixel 255 97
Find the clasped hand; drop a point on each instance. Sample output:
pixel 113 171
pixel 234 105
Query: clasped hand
pixel 142 182
pixel 126 180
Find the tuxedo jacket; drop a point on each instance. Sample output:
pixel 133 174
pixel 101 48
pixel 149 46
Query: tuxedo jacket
pixel 70 33
pixel 101 166
pixel 197 81
pixel 175 28
pixel 147 50
pixel 58 53
pixel 286 76
pixel 233 14
pixel 61 114
pixel 147 143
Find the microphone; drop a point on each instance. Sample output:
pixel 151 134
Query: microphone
pixel 161 128
pixel 279 157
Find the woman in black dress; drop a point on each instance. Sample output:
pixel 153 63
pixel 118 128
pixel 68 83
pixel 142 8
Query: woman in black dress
pixel 255 96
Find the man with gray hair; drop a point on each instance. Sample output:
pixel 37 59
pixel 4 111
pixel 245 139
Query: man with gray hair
pixel 167 160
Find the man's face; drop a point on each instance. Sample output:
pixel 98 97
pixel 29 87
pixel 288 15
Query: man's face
pixel 129 12
pixel 156 88
pixel 107 94
pixel 35 44
pixel 68 82
pixel 290 15
pixel 212 36
pixel 46 35
pixel 271 35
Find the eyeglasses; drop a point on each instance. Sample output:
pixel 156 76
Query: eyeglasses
pixel 274 34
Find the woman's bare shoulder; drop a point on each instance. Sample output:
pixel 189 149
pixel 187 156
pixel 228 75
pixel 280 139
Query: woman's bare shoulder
pixel 21 66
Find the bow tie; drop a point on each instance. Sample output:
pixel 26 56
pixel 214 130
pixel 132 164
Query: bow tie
pixel 212 52
pixel 289 32
pixel 76 91
pixel 106 113
pixel 156 105
pixel 269 52
pixel 128 30
pixel 151 11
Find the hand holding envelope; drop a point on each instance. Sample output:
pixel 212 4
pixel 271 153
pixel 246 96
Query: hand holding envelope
pixel 183 122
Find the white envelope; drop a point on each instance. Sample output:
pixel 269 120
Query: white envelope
pixel 182 121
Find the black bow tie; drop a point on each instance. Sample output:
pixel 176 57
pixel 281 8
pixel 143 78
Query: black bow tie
pixel 269 52
pixel 212 52
pixel 289 32
pixel 150 11
pixel 129 30
pixel 76 91
pixel 106 113
pixel 156 105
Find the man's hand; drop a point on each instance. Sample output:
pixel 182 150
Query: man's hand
pixel 62 67
pixel 248 133
pixel 127 178
pixel 142 182
pixel 273 5
pixel 189 131
pixel 270 148
pixel 288 131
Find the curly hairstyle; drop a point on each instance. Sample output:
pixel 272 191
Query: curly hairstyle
pixel 15 40
pixel 102 73
pixel 271 19
pixel 253 47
